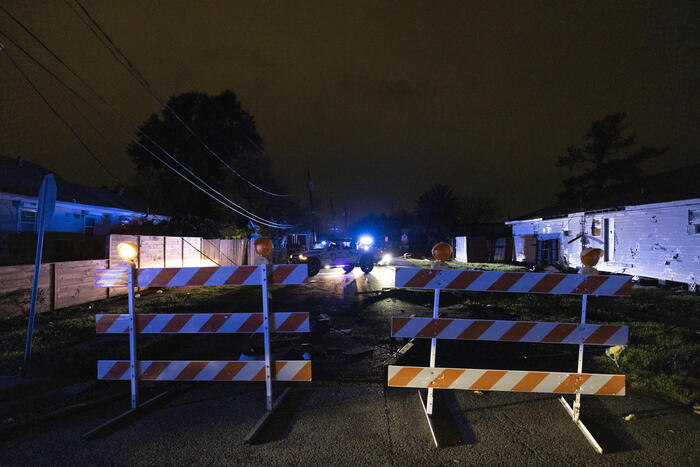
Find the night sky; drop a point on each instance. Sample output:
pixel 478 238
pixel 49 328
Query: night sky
pixel 380 99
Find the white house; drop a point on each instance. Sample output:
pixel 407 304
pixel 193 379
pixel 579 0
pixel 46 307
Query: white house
pixel 79 209
pixel 657 240
pixel 18 214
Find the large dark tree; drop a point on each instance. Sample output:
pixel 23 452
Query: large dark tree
pixel 228 130
pixel 437 210
pixel 478 209
pixel 609 157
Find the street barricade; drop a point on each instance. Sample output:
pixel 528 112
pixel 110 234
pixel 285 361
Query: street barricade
pixel 135 370
pixel 510 331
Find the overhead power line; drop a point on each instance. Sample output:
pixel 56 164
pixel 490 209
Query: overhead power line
pixel 58 115
pixel 107 41
pixel 229 203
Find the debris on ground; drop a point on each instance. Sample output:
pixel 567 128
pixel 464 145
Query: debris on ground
pixel 614 353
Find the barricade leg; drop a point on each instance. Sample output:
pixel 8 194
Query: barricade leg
pixel 266 338
pixel 577 401
pixel 427 402
pixel 574 410
pixel 271 405
pixel 433 352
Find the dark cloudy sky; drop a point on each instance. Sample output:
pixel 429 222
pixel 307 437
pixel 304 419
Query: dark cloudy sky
pixel 380 99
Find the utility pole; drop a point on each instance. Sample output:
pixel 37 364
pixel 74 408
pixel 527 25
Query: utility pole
pixel 345 219
pixel 311 205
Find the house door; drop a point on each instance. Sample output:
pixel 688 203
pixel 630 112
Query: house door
pixel 548 251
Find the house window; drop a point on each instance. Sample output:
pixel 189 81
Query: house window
pixel 595 227
pixel 27 217
pixel 694 221
pixel 90 223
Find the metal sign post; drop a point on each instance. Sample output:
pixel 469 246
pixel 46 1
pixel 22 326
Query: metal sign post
pixel 133 361
pixel 45 207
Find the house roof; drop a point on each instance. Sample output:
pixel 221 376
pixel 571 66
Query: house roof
pixel 24 178
pixel 672 185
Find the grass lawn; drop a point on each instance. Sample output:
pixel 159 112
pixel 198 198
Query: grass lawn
pixel 425 263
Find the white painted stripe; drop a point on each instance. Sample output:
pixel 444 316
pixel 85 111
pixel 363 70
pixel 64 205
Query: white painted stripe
pixel 508 381
pixel 220 275
pixel 495 331
pixel 155 325
pixel 621 337
pixel 404 275
pixel 537 333
pixel 170 372
pixel 526 282
pixel 182 277
pixel 610 286
pixel 448 275
pixel 146 275
pixel 210 371
pixel 455 328
pixel 195 323
pixel 234 322
pixel 249 371
pixel 466 379
pixel 484 281
pixel 256 278
pixel 298 274
pixel 570 282
pixel 291 368
pixel 550 382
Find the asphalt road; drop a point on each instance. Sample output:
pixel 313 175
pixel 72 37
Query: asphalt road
pixel 347 415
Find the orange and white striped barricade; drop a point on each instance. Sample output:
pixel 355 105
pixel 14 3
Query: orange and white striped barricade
pixel 135 370
pixel 510 331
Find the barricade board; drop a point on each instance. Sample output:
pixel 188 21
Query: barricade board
pixel 515 282
pixel 222 323
pixel 282 370
pixel 506 380
pixel 219 275
pixel 198 276
pixel 509 331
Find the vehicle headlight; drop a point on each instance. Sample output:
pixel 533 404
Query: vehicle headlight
pixel 303 258
pixel 386 259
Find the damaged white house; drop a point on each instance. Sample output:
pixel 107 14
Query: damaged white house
pixel 658 240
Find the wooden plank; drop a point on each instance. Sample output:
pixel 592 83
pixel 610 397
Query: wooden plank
pixel 173 252
pixel 210 252
pixel 191 247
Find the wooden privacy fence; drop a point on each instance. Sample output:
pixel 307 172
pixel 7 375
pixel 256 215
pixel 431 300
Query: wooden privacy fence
pixel 173 252
pixel 60 285
pixel 64 284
